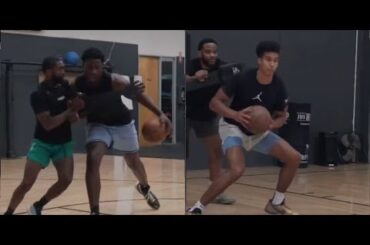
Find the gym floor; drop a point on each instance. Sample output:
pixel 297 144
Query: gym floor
pixel 118 192
pixel 316 190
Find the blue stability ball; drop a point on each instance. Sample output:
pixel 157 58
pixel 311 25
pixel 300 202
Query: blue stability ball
pixel 71 58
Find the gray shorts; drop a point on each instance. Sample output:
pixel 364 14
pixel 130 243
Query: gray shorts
pixel 232 136
pixel 122 138
pixel 203 129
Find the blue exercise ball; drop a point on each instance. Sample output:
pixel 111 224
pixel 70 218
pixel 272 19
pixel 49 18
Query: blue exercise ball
pixel 71 58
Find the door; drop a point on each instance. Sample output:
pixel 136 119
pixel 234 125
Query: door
pixel 149 70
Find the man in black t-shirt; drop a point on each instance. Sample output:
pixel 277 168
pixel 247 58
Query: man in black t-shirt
pixel 110 125
pixel 52 137
pixel 263 87
pixel 200 118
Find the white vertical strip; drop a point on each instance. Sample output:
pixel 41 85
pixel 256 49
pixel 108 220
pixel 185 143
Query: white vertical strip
pixel 355 85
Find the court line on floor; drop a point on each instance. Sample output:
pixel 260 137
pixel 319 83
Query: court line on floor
pixel 304 194
pixel 112 180
pixel 106 201
pixel 308 172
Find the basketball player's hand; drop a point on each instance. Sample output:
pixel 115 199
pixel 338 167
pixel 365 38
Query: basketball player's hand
pixel 76 104
pixel 73 117
pixel 201 75
pixel 139 86
pixel 277 123
pixel 243 117
pixel 279 118
pixel 272 126
pixel 164 119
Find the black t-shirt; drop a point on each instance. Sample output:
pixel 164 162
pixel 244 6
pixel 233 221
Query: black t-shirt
pixel 197 101
pixel 247 91
pixel 53 99
pixel 105 105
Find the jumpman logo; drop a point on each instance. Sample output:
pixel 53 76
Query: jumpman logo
pixel 258 97
pixel 235 70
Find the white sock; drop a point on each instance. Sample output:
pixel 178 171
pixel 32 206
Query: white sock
pixel 278 198
pixel 199 205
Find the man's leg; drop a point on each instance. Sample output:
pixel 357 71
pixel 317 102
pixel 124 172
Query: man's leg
pixel 208 133
pixel 214 152
pixel 236 159
pixel 137 167
pixel 31 171
pixel 64 169
pixel 277 147
pixel 95 153
pixel 291 159
pixel 125 139
pixel 98 141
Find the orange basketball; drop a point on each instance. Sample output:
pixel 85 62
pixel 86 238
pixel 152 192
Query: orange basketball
pixel 153 131
pixel 260 119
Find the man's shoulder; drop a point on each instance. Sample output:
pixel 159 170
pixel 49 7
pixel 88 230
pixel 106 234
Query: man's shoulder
pixel 39 91
pixel 36 93
pixel 247 73
pixel 278 80
pixel 38 96
pixel 195 62
pixel 221 62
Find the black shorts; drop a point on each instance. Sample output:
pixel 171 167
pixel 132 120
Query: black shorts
pixel 203 129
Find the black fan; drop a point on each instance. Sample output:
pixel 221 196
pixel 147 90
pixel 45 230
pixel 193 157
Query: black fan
pixel 351 147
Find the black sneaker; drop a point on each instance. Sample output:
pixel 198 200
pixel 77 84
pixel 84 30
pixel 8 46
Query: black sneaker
pixel 150 198
pixel 195 211
pixel 34 210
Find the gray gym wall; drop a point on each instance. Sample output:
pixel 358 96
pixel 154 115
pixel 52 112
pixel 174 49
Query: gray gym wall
pixel 317 68
pixel 363 91
pixel 2 116
pixel 24 80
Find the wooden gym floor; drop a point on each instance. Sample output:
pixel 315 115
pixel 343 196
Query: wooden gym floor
pixel 118 193
pixel 316 190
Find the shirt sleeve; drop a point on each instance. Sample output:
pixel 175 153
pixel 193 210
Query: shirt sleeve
pixel 39 102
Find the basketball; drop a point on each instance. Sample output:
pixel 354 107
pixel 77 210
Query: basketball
pixel 260 119
pixel 71 58
pixel 153 131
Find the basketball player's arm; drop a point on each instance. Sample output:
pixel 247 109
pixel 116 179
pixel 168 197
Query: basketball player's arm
pixel 74 92
pixel 119 84
pixel 189 79
pixel 219 104
pixel 194 75
pixel 279 118
pixel 146 101
pixel 50 122
pixel 280 112
pixel 200 75
pixel 82 114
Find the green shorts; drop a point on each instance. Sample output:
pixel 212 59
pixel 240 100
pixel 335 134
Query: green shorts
pixel 41 152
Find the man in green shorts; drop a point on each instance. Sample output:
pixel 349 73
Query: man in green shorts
pixel 52 137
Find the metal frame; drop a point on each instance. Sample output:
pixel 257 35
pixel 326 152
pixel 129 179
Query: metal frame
pixel 174 93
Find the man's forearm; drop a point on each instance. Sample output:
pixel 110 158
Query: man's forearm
pixel 189 79
pixel 55 121
pixel 221 108
pixel 146 101
pixel 278 122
